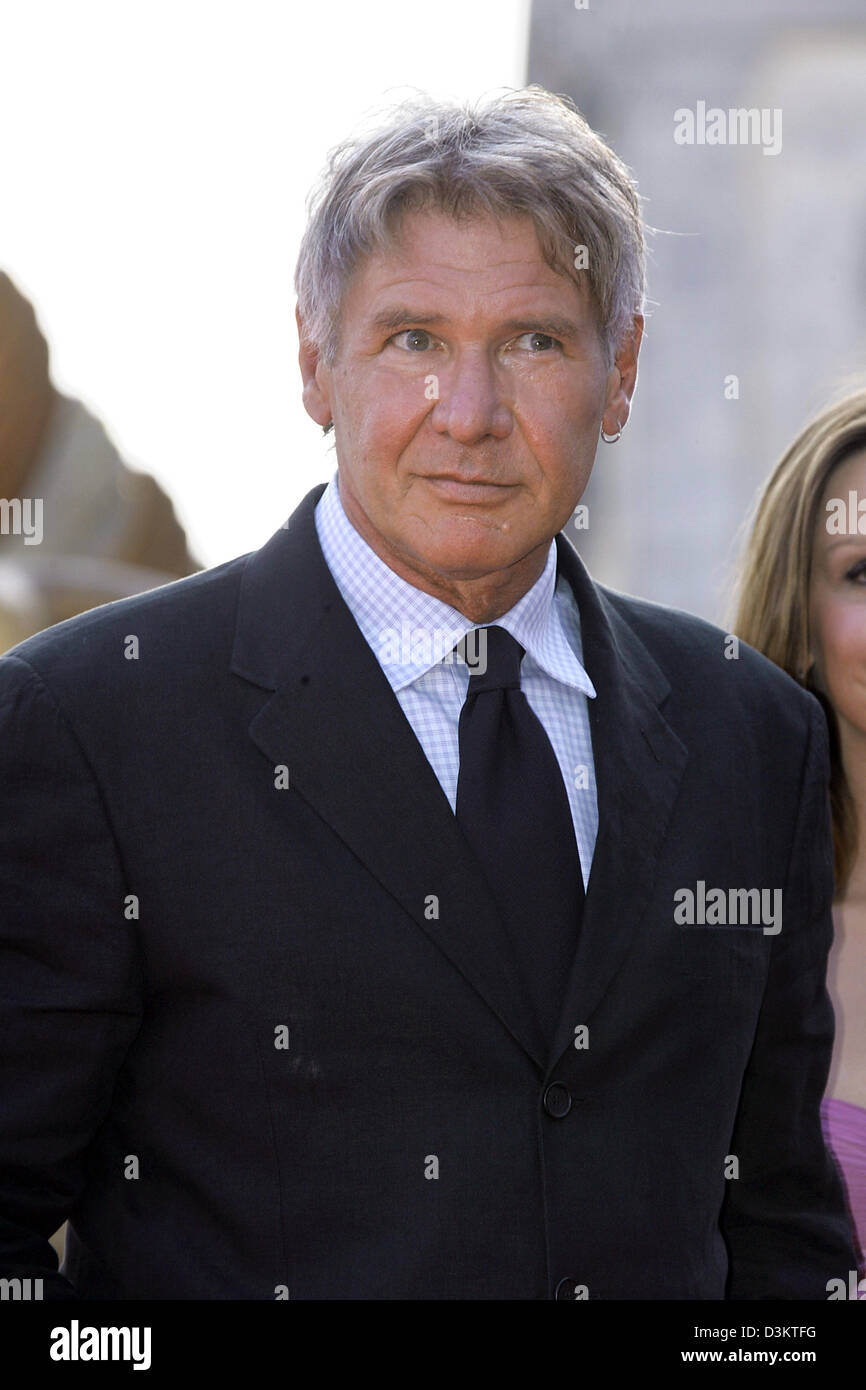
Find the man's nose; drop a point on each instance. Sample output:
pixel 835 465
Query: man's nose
pixel 471 402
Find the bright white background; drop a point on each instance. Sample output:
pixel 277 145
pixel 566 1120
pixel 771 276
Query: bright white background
pixel 154 161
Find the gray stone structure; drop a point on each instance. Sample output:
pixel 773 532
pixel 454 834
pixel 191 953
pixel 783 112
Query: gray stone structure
pixel 757 267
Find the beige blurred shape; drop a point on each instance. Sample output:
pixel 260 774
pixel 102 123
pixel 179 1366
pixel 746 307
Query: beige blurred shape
pixel 108 530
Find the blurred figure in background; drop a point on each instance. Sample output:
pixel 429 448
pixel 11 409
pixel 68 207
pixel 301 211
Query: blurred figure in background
pixel 801 600
pixel 105 530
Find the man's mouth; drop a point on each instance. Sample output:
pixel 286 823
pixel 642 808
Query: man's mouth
pixel 461 489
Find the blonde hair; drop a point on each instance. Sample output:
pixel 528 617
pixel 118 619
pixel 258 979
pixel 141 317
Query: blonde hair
pixel 771 600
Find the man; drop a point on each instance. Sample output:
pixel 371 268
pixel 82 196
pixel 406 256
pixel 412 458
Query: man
pixel 348 961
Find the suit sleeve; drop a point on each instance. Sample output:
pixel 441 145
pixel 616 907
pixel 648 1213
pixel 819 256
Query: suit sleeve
pixel 70 996
pixel 784 1218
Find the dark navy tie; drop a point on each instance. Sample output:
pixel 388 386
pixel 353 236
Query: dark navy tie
pixel 513 809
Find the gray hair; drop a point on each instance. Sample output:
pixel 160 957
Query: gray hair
pixel 527 152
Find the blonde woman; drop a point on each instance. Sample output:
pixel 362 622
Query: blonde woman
pixel 801 600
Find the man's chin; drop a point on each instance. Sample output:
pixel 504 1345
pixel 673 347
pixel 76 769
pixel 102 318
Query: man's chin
pixel 470 560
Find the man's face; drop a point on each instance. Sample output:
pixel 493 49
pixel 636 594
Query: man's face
pixel 467 396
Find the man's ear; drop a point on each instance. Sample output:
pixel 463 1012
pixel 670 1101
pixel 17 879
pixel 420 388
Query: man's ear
pixel 622 378
pixel 315 376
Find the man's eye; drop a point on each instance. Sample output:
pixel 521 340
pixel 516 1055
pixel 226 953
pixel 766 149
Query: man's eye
pixel 538 342
pixel 416 339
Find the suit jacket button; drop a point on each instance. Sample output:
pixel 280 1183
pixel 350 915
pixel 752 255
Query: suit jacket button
pixel 566 1289
pixel 557 1101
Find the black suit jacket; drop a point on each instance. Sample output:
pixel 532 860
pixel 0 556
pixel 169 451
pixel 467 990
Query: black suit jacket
pixel 263 1040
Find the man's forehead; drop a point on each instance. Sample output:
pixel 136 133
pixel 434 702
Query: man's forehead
pixel 432 253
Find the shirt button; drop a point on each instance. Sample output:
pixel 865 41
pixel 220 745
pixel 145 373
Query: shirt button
pixel 566 1289
pixel 557 1101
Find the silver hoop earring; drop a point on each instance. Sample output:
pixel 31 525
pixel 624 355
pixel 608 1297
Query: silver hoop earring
pixel 611 438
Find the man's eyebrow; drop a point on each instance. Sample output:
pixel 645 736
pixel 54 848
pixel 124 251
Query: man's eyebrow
pixel 549 324
pixel 391 320
pixel 399 316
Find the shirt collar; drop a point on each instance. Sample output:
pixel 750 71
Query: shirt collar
pixel 411 631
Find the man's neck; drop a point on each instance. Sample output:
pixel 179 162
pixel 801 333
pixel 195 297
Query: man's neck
pixel 481 600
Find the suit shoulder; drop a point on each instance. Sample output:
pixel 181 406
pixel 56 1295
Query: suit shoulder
pixel 193 613
pixel 705 662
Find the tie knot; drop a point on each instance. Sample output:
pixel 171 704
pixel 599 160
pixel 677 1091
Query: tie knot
pixel 494 656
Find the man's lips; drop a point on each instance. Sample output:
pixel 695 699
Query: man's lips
pixel 460 489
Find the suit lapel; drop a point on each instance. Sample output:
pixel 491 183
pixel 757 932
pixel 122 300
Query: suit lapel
pixel 639 764
pixel 331 717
